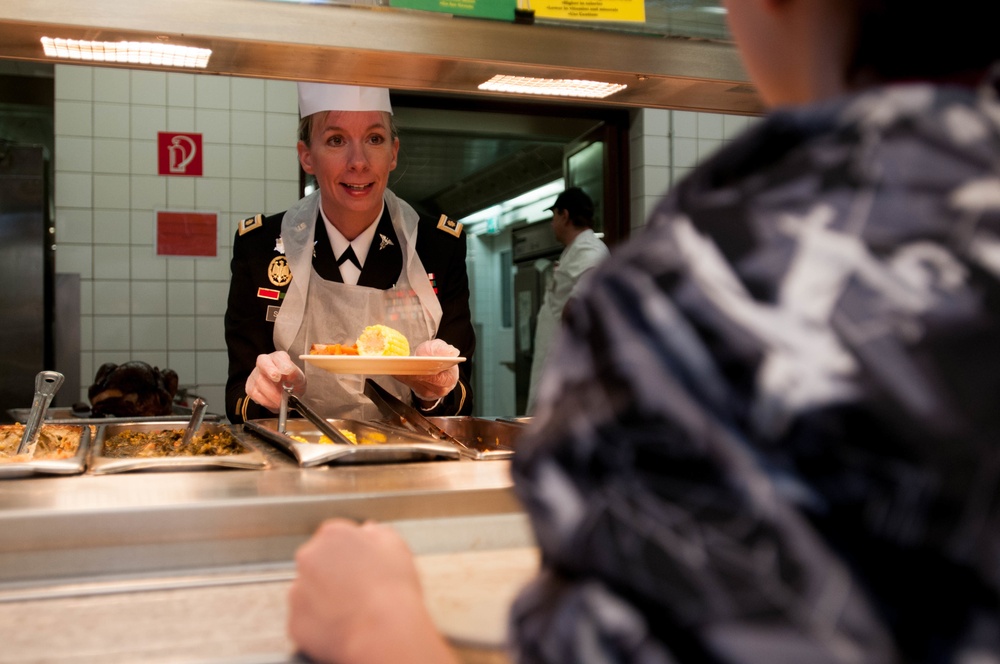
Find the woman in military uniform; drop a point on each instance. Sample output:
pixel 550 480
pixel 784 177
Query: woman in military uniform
pixel 347 256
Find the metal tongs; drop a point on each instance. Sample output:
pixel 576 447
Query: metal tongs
pixel 47 383
pixel 413 419
pixel 318 421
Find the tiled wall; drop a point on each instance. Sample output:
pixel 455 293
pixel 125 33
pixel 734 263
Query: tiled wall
pixel 167 311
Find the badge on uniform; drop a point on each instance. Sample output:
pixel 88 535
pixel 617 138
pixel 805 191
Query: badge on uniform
pixel 272 313
pixel 450 226
pixel 430 277
pixel 270 294
pixel 384 242
pixel 278 272
pixel 251 223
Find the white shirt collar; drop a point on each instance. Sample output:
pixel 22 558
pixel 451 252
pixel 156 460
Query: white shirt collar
pixel 361 244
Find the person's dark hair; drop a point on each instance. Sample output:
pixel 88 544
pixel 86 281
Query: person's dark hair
pixel 918 39
pixel 306 124
pixel 579 206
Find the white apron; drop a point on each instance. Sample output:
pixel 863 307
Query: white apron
pixel 319 311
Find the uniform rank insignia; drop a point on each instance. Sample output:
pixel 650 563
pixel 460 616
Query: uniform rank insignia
pixel 384 242
pixel 278 272
pixel 251 223
pixel 450 226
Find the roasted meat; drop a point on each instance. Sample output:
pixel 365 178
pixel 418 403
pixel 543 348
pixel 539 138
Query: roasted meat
pixel 132 389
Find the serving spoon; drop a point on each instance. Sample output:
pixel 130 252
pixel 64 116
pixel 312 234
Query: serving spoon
pixel 197 416
pixel 47 383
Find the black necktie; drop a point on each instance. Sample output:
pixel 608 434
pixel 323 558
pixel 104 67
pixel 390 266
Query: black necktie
pixel 349 255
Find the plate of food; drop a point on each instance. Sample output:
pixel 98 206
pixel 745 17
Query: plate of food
pixel 378 351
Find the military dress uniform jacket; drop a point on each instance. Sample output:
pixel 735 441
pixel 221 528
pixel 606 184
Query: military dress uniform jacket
pixel 260 280
pixel 769 430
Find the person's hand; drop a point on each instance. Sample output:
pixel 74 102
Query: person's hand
pixel 264 384
pixel 357 598
pixel 439 385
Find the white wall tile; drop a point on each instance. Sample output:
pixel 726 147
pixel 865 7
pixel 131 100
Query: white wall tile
pixel 185 365
pixel 156 358
pixel 111 333
pixel 247 128
pixel 684 124
pixel 210 333
pixel 149 88
pixel 213 269
pixel 248 194
pixel 213 125
pixel 74 153
pixel 281 97
pixel 656 150
pixel 73 118
pixel 87 374
pixel 180 89
pixel 215 397
pixel 111 297
pixel 685 152
pixel 180 332
pixel 734 125
pixel 74 82
pixel 112 155
pixel 150 333
pixel 216 161
pixel 111 226
pixel 111 85
pixel 147 122
pixel 180 119
pixel 112 120
pixel 281 163
pixel 211 92
pixel 149 192
pixel 74 190
pixel 180 269
pixel 180 193
pixel 111 262
pixel 111 191
pixel 143 157
pixel 656 180
pixel 710 126
pixel 86 300
pixel 76 259
pixel 86 331
pixel 149 298
pixel 707 147
pixel 180 299
pixel 211 298
pixel 281 129
pixel 74 225
pixel 278 196
pixel 247 94
pixel 213 367
pixel 143 227
pixel 211 193
pixel 248 161
pixel 147 265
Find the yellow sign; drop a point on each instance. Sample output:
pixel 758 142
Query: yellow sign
pixel 590 10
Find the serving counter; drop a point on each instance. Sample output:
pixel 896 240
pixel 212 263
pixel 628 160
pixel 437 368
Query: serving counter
pixel 194 566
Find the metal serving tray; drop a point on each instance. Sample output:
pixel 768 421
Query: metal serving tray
pixel 250 459
pixel 398 445
pixel 66 416
pixel 492 439
pixel 74 465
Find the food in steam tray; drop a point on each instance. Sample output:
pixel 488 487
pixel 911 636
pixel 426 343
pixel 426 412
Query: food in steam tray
pixel 154 444
pixel 374 341
pixel 367 438
pixel 55 441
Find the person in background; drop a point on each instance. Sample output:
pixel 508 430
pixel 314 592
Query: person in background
pixel 573 225
pixel 768 431
pixel 349 255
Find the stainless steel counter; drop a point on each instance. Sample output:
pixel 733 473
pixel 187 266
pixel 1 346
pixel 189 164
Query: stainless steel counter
pixel 186 538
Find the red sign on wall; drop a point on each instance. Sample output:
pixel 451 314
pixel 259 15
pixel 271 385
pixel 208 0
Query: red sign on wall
pixel 186 233
pixel 179 154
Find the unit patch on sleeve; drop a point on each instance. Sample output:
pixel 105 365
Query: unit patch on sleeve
pixel 450 226
pixel 251 223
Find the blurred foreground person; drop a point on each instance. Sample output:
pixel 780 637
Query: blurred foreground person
pixel 768 432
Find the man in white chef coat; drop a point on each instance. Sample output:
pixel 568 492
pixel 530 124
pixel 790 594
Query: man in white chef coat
pixel 573 224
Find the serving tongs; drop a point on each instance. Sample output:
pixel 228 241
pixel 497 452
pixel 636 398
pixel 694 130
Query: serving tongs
pixel 320 423
pixel 47 383
pixel 413 419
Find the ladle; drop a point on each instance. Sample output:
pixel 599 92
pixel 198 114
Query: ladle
pixel 47 383
pixel 197 416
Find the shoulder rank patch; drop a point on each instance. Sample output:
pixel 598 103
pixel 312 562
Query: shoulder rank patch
pixel 251 223
pixel 450 226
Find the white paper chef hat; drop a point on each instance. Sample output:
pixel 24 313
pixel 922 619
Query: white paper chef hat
pixel 316 97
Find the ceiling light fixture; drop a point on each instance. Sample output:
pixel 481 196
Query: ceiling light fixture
pixel 127 52
pixel 559 87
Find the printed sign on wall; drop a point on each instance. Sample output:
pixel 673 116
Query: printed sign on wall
pixel 179 154
pixel 186 233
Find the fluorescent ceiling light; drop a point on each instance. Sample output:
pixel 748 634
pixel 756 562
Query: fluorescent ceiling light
pixel 559 87
pixel 127 52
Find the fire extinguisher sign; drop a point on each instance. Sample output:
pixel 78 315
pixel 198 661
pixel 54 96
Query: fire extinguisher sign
pixel 179 153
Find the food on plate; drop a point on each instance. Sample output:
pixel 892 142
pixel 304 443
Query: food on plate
pixel 333 349
pixel 132 389
pixel 147 444
pixel 381 340
pixel 374 341
pixel 55 441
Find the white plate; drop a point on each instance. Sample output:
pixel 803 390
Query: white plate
pixel 382 366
